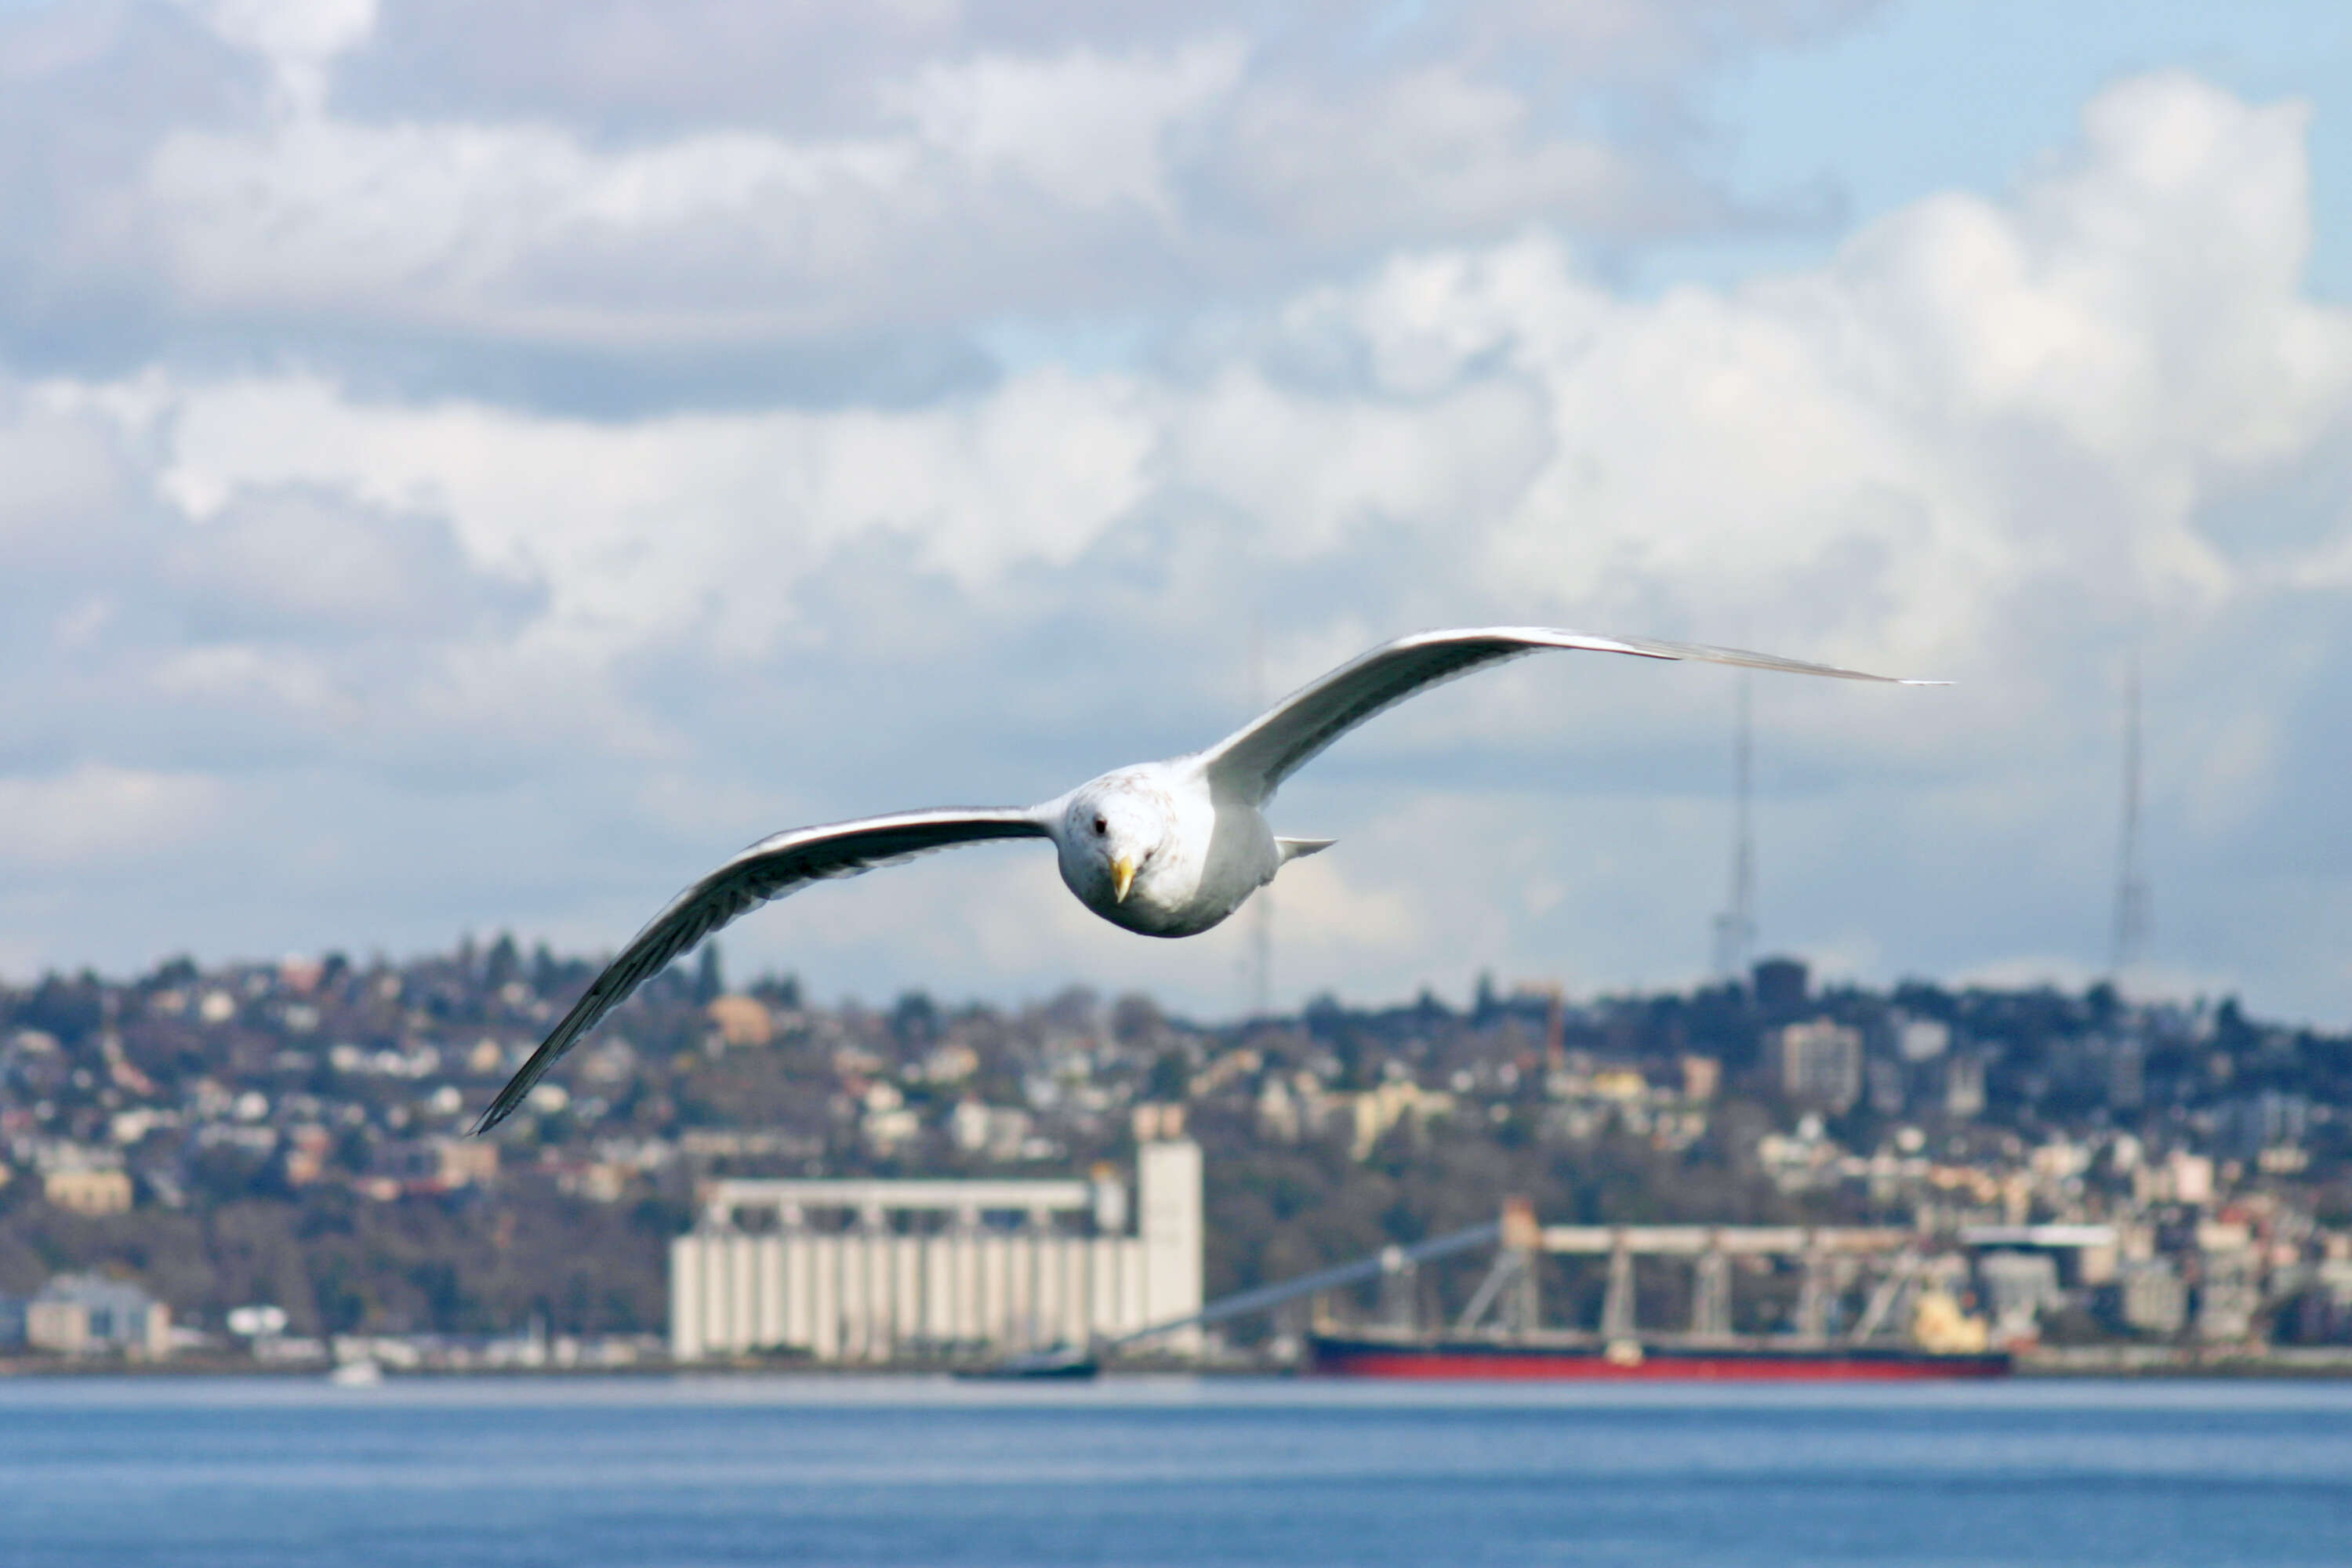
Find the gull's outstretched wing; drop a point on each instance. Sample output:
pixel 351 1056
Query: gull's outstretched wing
pixel 1253 761
pixel 769 869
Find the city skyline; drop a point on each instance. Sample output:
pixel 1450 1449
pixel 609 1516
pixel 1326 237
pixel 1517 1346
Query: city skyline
pixel 325 1107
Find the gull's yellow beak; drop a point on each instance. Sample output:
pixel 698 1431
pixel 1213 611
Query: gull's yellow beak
pixel 1122 877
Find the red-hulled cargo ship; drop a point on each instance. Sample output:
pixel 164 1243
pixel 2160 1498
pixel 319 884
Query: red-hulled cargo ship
pixel 1565 1357
pixel 1500 1333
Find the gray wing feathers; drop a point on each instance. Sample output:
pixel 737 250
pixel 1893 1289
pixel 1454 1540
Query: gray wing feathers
pixel 769 869
pixel 1253 762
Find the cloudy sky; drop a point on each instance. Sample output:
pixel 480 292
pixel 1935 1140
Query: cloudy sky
pixel 466 468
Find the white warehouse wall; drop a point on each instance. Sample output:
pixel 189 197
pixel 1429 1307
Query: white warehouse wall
pixel 873 1293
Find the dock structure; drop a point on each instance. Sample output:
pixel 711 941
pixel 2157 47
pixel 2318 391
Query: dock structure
pixel 879 1272
pixel 1831 1256
pixel 1898 1262
pixel 1873 1303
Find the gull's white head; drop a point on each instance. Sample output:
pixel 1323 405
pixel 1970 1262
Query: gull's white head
pixel 1115 834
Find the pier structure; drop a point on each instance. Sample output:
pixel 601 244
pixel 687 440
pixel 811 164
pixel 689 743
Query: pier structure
pixel 1832 1257
pixel 1896 1262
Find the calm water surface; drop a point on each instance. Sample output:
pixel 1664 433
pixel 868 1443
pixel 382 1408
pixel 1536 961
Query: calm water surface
pixel 196 1473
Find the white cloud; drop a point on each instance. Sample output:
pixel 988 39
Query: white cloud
pixel 311 31
pixel 696 526
pixel 68 480
pixel 305 562
pixel 233 675
pixel 522 232
pixel 1433 151
pixel 810 179
pixel 1085 129
pixel 299 38
pixel 99 813
pixel 532 232
pixel 1306 468
pixel 1991 439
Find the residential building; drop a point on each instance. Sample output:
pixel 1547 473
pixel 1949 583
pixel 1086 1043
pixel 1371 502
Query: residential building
pixel 1820 1063
pixel 2153 1301
pixel 88 1189
pixel 741 1020
pixel 89 1314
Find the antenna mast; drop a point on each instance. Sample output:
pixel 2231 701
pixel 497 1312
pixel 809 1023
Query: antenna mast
pixel 1735 929
pixel 2131 881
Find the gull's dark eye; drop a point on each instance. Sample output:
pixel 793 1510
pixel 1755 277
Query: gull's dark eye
pixel 1101 826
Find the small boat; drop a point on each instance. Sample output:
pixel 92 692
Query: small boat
pixel 1064 1361
pixel 361 1374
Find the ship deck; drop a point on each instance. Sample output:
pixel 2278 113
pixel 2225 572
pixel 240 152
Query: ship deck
pixel 1567 1355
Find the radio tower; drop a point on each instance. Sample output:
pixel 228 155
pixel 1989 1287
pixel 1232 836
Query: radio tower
pixel 2131 882
pixel 1735 929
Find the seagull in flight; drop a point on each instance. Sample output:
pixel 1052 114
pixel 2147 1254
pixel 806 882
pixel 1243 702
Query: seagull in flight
pixel 1166 848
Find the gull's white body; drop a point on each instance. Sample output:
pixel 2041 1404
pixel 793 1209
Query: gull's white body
pixel 1214 853
pixel 1164 849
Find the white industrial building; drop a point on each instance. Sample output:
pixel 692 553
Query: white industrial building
pixel 880 1270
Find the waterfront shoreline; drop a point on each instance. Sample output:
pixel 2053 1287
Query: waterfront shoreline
pixel 2084 1362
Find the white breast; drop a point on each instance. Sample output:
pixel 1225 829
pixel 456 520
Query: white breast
pixel 1219 854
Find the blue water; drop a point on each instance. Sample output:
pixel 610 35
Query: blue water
pixel 96 1473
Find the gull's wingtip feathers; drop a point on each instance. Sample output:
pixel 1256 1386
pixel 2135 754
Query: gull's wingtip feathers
pixel 498 1111
pixel 775 865
pixel 1534 637
pixel 1253 761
